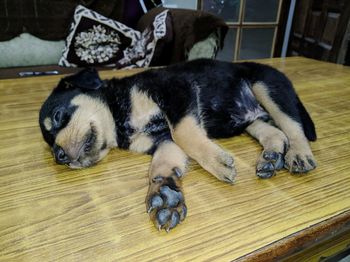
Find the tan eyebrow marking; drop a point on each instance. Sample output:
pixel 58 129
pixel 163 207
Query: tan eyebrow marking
pixel 48 124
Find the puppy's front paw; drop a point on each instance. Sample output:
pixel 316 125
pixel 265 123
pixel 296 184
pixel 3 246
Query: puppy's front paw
pixel 221 165
pixel 225 167
pixel 165 202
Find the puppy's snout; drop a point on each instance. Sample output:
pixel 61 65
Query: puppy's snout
pixel 60 156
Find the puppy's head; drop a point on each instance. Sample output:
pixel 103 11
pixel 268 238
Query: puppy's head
pixel 76 122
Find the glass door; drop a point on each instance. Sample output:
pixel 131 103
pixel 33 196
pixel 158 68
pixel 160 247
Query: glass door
pixel 252 27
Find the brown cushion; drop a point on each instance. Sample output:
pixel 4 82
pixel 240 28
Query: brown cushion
pixel 188 27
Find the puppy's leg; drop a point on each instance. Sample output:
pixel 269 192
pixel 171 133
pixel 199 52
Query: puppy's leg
pixel 165 199
pixel 274 142
pixel 299 158
pixel 192 138
pixel 181 106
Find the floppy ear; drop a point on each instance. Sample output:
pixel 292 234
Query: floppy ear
pixel 85 79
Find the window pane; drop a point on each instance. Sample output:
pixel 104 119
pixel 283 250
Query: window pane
pixel 256 43
pixel 261 11
pixel 226 9
pixel 227 53
pixel 187 4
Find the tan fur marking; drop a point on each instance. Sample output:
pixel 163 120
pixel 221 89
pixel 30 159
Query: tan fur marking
pixel 48 124
pixel 194 141
pixel 167 156
pixel 90 111
pixel 291 128
pixel 142 109
pixel 270 137
pixel 140 143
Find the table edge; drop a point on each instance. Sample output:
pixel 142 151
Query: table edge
pixel 300 240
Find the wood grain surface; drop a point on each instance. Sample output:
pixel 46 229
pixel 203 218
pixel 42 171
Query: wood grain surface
pixel 51 213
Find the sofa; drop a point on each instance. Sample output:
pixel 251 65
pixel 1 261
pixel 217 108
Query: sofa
pixel 33 33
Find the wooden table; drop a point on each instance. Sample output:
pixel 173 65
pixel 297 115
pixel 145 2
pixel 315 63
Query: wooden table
pixel 49 213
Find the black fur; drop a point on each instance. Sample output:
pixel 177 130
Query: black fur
pixel 206 89
pixel 218 85
pixel 61 97
pixel 283 94
pixel 308 124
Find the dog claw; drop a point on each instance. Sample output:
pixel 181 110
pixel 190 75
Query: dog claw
pixel 183 213
pixel 311 162
pixel 157 179
pixel 229 180
pixel 299 164
pixel 178 172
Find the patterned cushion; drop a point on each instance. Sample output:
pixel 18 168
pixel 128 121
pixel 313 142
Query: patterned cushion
pixel 97 40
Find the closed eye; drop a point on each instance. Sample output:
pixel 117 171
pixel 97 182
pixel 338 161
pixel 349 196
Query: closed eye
pixel 90 140
pixel 88 143
pixel 57 118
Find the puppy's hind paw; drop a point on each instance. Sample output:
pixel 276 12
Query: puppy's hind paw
pixel 299 163
pixel 268 163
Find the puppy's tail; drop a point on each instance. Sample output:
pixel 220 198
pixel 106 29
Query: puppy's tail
pixel 308 124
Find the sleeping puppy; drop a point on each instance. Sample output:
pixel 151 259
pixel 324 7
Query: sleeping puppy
pixel 172 113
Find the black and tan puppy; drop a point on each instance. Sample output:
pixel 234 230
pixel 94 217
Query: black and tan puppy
pixel 172 113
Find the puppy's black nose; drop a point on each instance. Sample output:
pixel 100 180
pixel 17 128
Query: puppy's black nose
pixel 60 156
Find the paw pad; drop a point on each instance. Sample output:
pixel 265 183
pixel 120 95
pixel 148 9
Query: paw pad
pixel 269 163
pixel 166 205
